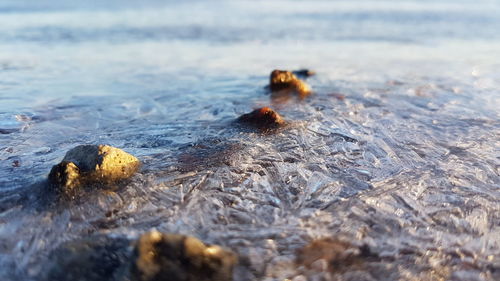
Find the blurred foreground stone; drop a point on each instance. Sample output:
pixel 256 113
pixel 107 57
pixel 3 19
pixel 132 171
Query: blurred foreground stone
pixel 88 164
pixel 154 256
pixel 173 257
pixel 332 255
pixel 91 259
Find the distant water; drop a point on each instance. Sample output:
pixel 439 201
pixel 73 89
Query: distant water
pixel 408 162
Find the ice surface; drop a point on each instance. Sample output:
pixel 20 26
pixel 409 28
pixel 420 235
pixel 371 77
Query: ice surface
pixel 407 163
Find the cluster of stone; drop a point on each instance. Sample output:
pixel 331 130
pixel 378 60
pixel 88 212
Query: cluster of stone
pixel 283 83
pixel 154 256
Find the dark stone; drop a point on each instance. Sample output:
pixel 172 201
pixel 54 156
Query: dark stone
pixel 92 259
pixel 263 118
pixel 304 73
pixel 339 255
pixel 173 257
pixel 65 176
pixel 154 256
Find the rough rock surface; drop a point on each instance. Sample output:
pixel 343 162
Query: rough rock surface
pixel 92 164
pixel 155 256
pixel 282 80
pixel 263 118
pixel 92 259
pixel 173 257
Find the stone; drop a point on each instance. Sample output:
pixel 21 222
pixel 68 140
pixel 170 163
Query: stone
pixel 282 80
pixel 263 118
pixel 334 255
pixel 304 73
pixel 89 164
pixel 174 257
pixel 93 258
pixel 155 256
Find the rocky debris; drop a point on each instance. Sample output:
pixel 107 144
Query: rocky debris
pixel 88 164
pixel 304 73
pixel 262 118
pixel 155 256
pixel 91 259
pixel 173 257
pixel 333 255
pixel 286 81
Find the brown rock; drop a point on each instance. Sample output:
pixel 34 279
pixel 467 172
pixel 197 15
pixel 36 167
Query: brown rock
pixel 86 164
pixel 264 118
pixel 338 96
pixel 282 80
pixel 334 254
pixel 173 257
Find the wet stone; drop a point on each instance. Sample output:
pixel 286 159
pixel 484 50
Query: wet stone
pixel 92 259
pixel 333 255
pixel 286 81
pixel 173 257
pixel 88 164
pixel 263 118
pixel 154 256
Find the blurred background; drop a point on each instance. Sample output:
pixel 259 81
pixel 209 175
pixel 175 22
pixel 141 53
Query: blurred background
pixel 57 49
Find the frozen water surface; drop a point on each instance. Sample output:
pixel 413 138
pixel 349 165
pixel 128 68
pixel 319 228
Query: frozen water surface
pixel 397 149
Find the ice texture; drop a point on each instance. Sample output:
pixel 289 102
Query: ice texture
pixel 397 148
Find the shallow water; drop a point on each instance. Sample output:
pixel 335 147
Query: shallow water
pixel 408 162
